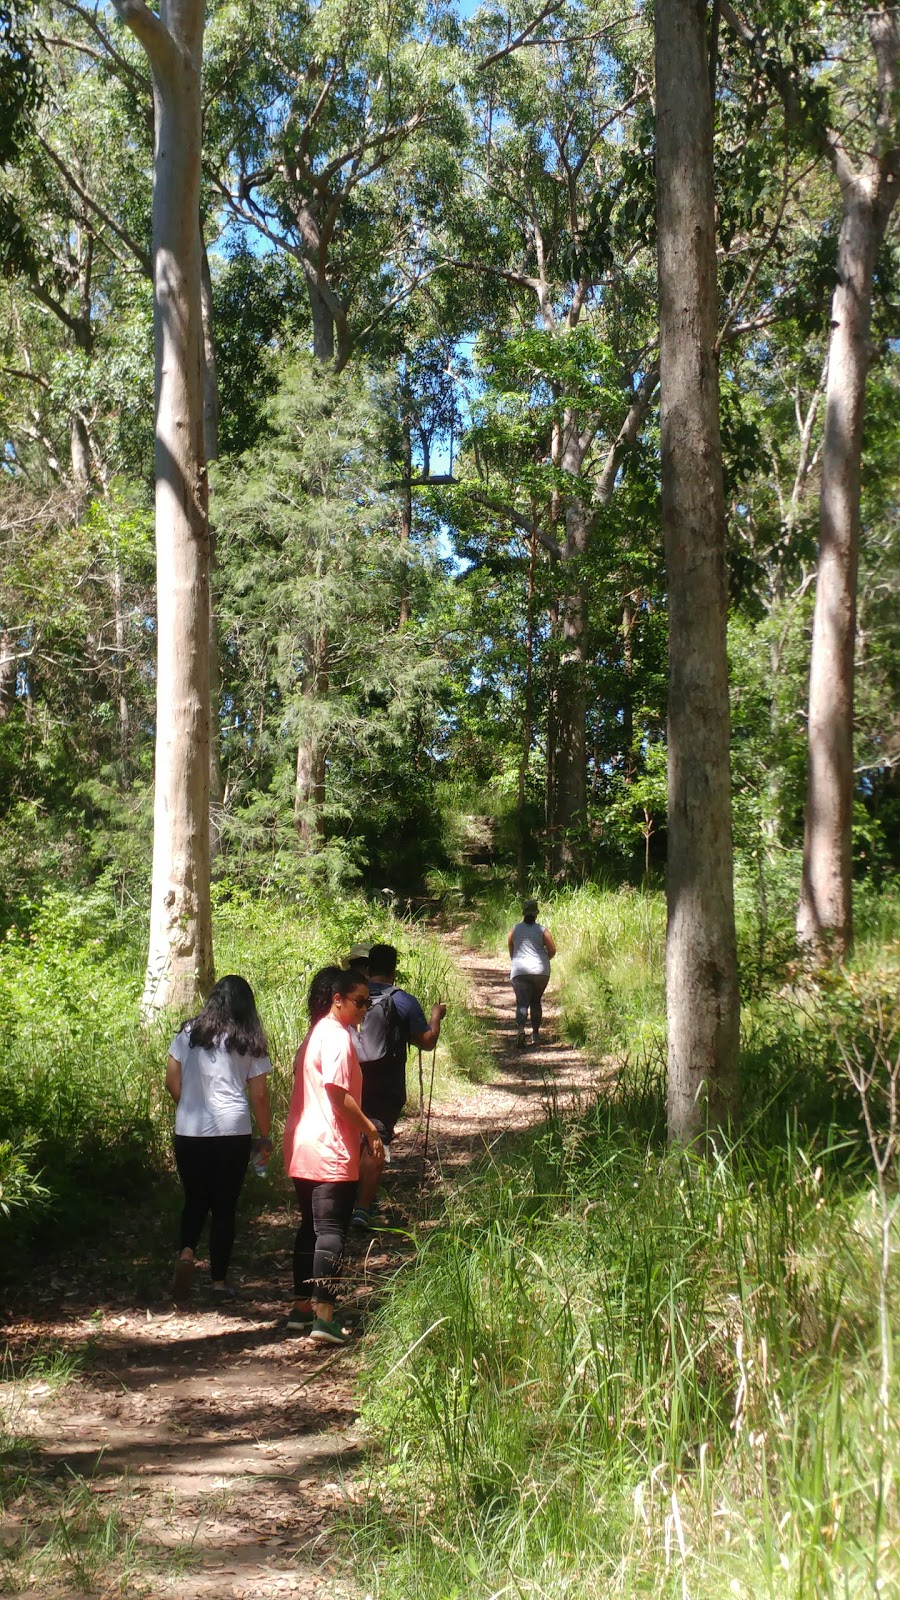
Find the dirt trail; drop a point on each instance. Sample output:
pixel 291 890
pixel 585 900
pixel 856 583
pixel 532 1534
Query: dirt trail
pixel 216 1447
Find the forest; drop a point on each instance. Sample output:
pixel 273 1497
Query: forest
pixel 451 453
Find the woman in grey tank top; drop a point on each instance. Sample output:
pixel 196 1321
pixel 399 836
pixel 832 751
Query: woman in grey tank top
pixel 531 948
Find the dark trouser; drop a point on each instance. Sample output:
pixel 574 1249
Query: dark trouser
pixel 528 991
pixel 325 1211
pixel 211 1172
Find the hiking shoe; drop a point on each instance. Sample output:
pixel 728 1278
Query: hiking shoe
pixel 300 1321
pixel 534 1037
pixel 360 1221
pixel 223 1293
pixel 183 1278
pixel 520 1039
pixel 327 1333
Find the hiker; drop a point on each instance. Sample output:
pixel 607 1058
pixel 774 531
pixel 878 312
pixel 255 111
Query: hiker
pixel 394 1021
pixel 357 960
pixel 532 949
pixel 322 1137
pixel 214 1063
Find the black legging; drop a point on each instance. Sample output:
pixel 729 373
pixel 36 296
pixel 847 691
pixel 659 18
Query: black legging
pixel 211 1172
pixel 325 1211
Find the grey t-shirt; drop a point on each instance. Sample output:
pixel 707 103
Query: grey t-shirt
pixel 529 957
pixel 213 1088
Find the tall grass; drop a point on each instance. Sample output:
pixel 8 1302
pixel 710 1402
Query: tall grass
pixel 617 1371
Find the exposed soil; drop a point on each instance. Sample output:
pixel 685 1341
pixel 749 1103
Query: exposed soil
pixel 214 1448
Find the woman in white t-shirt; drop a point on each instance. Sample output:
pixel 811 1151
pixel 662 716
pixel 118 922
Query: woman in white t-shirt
pixel 215 1062
pixel 531 948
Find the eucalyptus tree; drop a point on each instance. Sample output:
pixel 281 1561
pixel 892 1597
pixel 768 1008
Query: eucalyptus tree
pixel 835 70
pixel 702 1005
pixel 180 957
pixel 330 130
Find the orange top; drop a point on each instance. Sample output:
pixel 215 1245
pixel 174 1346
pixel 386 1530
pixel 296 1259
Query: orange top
pixel 319 1142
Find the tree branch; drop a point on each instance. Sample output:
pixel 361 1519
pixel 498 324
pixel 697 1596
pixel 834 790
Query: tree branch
pixel 137 77
pixel 153 34
pixel 521 38
pixel 627 434
pixel 141 256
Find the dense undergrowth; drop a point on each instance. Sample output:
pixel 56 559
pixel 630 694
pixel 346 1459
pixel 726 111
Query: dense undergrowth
pixel 84 1119
pixel 616 1371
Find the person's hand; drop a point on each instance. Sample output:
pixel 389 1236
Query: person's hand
pixel 438 1012
pixel 374 1141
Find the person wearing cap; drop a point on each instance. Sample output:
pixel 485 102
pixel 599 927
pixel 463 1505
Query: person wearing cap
pixel 531 948
pixel 357 959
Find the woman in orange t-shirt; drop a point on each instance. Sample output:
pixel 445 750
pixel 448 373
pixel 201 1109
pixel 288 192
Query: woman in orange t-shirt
pixel 322 1137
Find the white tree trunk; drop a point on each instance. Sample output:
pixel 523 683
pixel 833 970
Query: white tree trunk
pixel 179 962
pixel 825 912
pixel 701 961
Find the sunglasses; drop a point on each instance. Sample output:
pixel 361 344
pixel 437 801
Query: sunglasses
pixel 361 1005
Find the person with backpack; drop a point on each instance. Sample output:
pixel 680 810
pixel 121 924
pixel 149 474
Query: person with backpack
pixel 393 1022
pixel 531 950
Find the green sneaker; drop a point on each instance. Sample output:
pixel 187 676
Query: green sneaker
pixel 327 1333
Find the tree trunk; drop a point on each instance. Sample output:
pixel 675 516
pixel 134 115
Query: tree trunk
pixel 211 450
pixel 80 447
pixel 309 784
pixel 527 715
pixel 406 519
pixel 825 913
pixel 180 961
pixel 119 619
pixel 323 326
pixel 628 616
pixel 570 810
pixel 701 961
pixel 8 673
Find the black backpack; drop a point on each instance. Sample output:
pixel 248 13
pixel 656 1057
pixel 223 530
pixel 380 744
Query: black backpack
pixel 381 1048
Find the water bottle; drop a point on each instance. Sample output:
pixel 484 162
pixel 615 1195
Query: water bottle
pixel 260 1156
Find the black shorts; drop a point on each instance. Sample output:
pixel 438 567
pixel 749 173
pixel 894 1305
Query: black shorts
pixel 384 1128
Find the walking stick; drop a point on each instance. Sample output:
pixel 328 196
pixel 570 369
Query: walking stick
pixel 428 1114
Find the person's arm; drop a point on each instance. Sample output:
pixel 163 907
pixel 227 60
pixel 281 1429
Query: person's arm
pixel 258 1090
pixel 428 1039
pixel 509 941
pixel 173 1078
pixel 549 943
pixel 345 1106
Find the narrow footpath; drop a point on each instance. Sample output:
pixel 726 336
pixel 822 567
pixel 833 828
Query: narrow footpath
pixel 203 1454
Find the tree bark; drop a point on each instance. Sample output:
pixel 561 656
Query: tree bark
pixel 180 959
pixel 701 960
pixel 570 811
pixel 211 450
pixel 825 912
pixel 8 672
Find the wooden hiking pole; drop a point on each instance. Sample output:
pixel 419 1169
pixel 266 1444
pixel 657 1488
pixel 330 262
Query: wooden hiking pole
pixel 428 1113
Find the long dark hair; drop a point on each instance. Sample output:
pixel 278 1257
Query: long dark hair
pixel 229 1018
pixel 328 982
